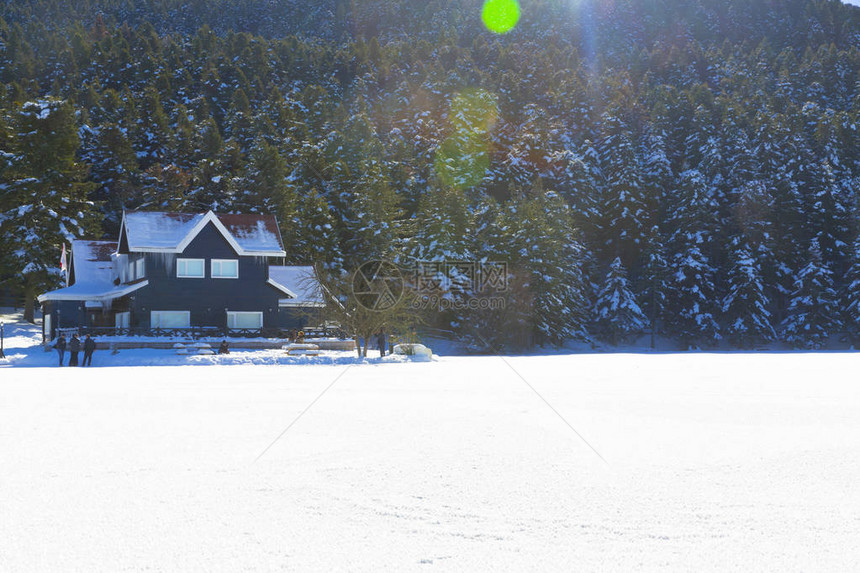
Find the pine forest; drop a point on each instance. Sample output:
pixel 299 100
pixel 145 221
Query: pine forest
pixel 687 169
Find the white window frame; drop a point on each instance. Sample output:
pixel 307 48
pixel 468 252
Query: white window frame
pixel 122 319
pixel 185 275
pixel 156 313
pixel 139 268
pixel 231 319
pixel 220 266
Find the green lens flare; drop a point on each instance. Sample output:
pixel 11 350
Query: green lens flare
pixel 463 158
pixel 500 16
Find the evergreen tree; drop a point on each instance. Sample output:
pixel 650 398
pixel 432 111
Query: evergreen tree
pixel 745 306
pixel 441 227
pixel 115 167
pixel 44 196
pixel 625 211
pixel 692 299
pixel 829 218
pixel 617 316
pixel 265 183
pixel 152 133
pixel 655 283
pixel 538 236
pixel 164 188
pixel 311 238
pixel 373 226
pixel 813 313
pixel 851 296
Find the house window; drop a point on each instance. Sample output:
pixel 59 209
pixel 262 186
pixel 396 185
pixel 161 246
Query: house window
pixel 136 269
pixel 191 268
pixel 225 269
pixel 122 319
pixel 244 319
pixel 139 268
pixel 170 319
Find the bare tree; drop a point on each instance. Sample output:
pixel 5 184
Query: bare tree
pixel 363 314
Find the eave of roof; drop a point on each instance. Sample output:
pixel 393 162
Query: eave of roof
pixel 84 292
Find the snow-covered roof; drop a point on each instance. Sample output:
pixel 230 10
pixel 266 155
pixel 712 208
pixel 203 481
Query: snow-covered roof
pixel 93 271
pixel 155 231
pixel 299 283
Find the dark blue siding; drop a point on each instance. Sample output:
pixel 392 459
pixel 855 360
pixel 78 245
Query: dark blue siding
pixel 290 317
pixel 207 298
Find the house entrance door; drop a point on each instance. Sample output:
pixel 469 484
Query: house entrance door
pixel 122 320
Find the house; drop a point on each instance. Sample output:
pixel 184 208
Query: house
pixel 170 271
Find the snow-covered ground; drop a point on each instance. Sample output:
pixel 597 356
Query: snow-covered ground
pixel 732 462
pixel 23 348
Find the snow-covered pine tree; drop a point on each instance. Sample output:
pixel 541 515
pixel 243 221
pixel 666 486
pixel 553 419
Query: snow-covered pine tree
pixel 44 195
pixel 265 183
pixel 462 159
pixel 211 186
pixel 163 188
pixel 310 237
pixel 829 217
pixel 540 243
pixel 359 190
pixel 656 171
pixel 183 142
pixel 625 213
pixel 753 225
pixel 153 137
pixel 239 121
pixel 813 310
pixel 374 228
pixel 654 281
pixel 441 229
pixel 575 182
pixel 115 166
pixel 692 302
pixel 617 316
pixel 745 306
pixel 851 296
pixel 438 252
pixel 779 155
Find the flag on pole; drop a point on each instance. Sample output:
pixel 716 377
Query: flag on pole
pixel 64 268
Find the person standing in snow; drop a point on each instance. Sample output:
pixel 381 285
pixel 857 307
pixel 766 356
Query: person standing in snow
pixel 224 348
pixel 60 345
pixel 89 348
pixel 74 348
pixel 381 342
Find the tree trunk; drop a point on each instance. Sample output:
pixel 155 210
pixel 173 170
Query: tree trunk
pixel 653 316
pixel 357 345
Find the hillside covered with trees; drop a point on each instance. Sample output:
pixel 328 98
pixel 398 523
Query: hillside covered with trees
pixel 685 166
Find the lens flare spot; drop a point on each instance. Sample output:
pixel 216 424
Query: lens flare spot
pixel 500 16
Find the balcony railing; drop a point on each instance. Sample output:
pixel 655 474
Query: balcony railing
pixel 196 332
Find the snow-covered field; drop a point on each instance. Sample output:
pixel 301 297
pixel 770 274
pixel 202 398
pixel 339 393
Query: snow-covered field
pixel 715 463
